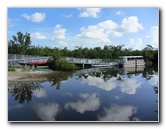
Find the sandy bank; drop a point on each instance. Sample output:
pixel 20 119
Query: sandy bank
pixel 21 75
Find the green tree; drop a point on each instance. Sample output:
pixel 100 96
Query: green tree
pixel 150 54
pixel 20 44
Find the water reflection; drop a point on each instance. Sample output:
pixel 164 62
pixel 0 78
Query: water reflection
pixel 47 112
pixel 118 113
pixel 57 78
pixel 17 106
pixel 109 79
pixel 22 91
pixel 155 88
pixel 87 102
pixel 40 93
pixel 96 94
pixel 106 79
pixel 149 72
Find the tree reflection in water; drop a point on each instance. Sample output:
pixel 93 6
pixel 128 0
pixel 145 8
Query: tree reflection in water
pixel 104 73
pixel 22 91
pixel 149 72
pixel 56 78
pixel 155 88
pixel 118 73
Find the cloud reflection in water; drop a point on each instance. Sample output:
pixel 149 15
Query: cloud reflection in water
pixel 88 102
pixel 154 80
pixel 128 86
pixel 47 112
pixel 39 93
pixel 118 113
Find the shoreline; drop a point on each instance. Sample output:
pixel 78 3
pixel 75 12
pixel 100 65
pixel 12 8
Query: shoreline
pixel 23 75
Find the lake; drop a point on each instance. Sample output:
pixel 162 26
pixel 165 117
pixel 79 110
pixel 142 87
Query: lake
pixel 89 95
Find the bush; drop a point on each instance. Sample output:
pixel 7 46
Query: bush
pixel 61 64
pixel 12 69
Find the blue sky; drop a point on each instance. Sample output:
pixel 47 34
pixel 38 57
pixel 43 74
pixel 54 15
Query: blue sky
pixel 86 27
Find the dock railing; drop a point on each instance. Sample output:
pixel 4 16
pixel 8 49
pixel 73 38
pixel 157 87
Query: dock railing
pixel 15 59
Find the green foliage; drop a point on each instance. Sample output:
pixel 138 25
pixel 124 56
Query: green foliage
pixel 20 44
pixel 12 69
pixel 61 64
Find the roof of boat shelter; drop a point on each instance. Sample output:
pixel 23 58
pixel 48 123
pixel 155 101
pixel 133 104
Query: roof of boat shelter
pixel 130 56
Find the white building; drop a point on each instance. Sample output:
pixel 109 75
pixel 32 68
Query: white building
pixel 131 61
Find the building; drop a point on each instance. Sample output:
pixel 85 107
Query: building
pixel 131 61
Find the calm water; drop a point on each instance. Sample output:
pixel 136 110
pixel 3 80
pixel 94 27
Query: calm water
pixel 87 95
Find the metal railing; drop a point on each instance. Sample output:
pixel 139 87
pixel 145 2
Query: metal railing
pixel 84 61
pixel 15 59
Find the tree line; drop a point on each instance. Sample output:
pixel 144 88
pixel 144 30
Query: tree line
pixel 21 44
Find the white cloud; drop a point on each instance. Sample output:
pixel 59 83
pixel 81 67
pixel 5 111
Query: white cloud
pixel 47 112
pixel 10 24
pixel 110 28
pixel 90 12
pixel 153 37
pixel 88 102
pixel 119 13
pixel 94 32
pixel 38 35
pixel 61 44
pixel 136 44
pixel 131 24
pixel 59 33
pixel 36 17
pixel 39 93
pixel 68 16
pixel 102 31
pixel 118 113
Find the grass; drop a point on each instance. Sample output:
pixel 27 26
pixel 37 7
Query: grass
pixel 12 68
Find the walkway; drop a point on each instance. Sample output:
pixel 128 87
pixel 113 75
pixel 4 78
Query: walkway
pixel 15 59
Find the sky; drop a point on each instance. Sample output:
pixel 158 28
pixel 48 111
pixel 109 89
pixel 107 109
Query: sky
pixel 134 28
